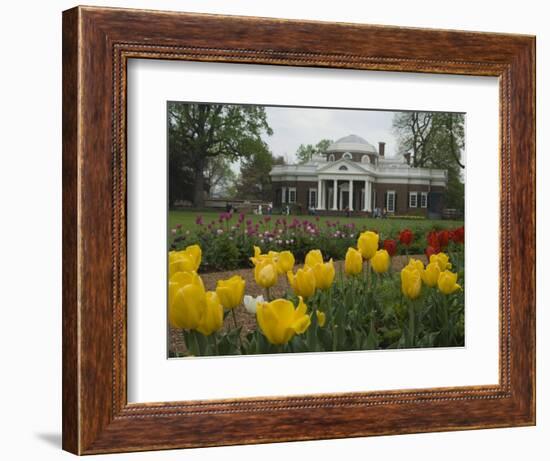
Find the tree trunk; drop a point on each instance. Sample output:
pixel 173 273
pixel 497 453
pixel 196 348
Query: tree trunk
pixel 198 189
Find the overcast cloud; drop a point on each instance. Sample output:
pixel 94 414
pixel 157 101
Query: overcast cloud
pixel 294 126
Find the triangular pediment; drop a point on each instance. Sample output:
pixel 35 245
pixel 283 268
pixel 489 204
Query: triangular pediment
pixel 344 166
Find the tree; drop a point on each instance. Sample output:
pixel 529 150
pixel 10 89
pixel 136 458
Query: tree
pixel 435 140
pixel 306 151
pixel 254 181
pixel 202 134
pixel 218 174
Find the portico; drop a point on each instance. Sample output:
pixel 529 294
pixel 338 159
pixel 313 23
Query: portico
pixel 341 193
pixel 353 176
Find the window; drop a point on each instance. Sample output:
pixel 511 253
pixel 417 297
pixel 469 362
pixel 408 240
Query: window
pixel 423 200
pixel 365 159
pixel 343 168
pixel 347 156
pixel 331 158
pixel 312 198
pixel 413 197
pixel 291 195
pixel 390 201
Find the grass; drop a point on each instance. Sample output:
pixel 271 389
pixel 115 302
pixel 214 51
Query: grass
pixel 385 226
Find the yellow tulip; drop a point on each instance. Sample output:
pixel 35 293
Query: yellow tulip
pixel 279 320
pixel 321 318
pixel 186 260
pixel 314 257
pixel 187 306
pixel 212 320
pixel 324 275
pixel 265 273
pixel 380 262
pixel 442 261
pixel 368 244
pixel 353 264
pixel 257 251
pixel 303 283
pixel 431 274
pixel 447 282
pixel 231 291
pixel 179 279
pixel 285 262
pixel 259 257
pixel 417 265
pixel 411 282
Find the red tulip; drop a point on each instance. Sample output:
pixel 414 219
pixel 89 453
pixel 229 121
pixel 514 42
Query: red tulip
pixel 430 250
pixel 433 239
pixel 406 237
pixel 458 235
pixel 390 246
pixel 443 237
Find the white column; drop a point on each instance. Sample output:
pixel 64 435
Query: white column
pixel 283 196
pixel 319 195
pixel 370 197
pixel 351 195
pixel 335 195
pixel 366 198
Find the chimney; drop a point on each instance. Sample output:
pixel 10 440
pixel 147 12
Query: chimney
pixel 407 157
pixel 381 148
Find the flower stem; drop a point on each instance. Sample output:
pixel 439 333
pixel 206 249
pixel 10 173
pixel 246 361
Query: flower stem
pixel 412 324
pixel 237 327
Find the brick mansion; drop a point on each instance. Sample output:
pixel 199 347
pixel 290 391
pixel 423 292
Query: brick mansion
pixel 354 176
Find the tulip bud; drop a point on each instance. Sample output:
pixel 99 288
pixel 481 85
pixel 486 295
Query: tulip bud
pixel 321 318
pixel 186 260
pixel 380 262
pixel 250 303
pixel 230 291
pixel 353 263
pixel 212 320
pixel 411 282
pixel 406 237
pixel 368 244
pixel 324 275
pixel 187 307
pixel 285 262
pixel 303 283
pixel 314 257
pixel 447 282
pixel 431 274
pixel 390 246
pixel 442 261
pixel 417 265
pixel 265 273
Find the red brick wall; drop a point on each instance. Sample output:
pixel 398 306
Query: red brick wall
pixel 402 197
pixel 401 191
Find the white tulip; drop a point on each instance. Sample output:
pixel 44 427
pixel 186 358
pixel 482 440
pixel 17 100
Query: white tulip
pixel 250 303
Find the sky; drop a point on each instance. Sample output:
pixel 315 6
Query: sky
pixel 294 126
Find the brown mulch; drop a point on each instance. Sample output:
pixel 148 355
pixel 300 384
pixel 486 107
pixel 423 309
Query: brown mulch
pixel 176 344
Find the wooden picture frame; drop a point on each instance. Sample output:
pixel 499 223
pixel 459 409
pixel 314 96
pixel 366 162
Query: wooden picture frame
pixel 97 43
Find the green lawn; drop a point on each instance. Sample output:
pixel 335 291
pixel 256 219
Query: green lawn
pixel 384 226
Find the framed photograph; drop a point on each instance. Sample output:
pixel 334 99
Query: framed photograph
pixel 282 230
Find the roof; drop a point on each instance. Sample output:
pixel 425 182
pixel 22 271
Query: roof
pixel 352 143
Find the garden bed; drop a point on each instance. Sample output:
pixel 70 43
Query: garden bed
pixel 176 344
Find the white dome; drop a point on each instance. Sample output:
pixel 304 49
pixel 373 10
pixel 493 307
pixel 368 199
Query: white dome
pixel 352 143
